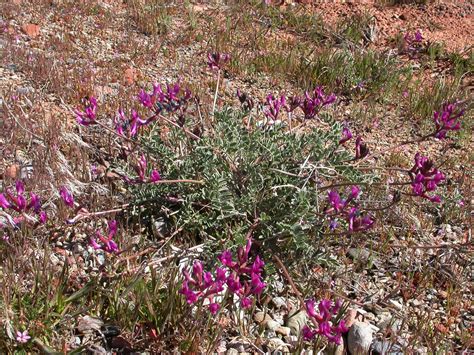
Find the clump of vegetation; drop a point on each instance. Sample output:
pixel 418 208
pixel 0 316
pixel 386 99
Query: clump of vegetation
pixel 186 214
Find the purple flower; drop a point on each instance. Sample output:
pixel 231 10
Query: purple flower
pixel 312 104
pixel 145 99
pixel 355 191
pixel 327 311
pixel 4 203
pixel 361 149
pixel 310 304
pixel 447 120
pixel 226 259
pixel 333 224
pixel 220 274
pixel 191 296
pixel 418 36
pixel 66 196
pixel 308 333
pixel 20 187
pixel 335 200
pixel 141 170
pixel 215 61
pixel 135 123
pixel 246 302
pixel 197 271
pixel 425 178
pixel 155 176
pixel 243 254
pixel 207 278
pixel 412 39
pixel 324 307
pixel 88 116
pixel 112 228
pixel 273 106
pixel 257 284
pixel 358 223
pixel 257 265
pixel 22 337
pixel 43 217
pixel 35 202
pixel 18 202
pixel 346 135
pixel 108 244
pixel 241 277
pixel 214 308
pixel 233 282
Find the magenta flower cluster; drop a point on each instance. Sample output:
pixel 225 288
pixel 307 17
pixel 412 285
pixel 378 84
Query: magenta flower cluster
pixel 215 61
pixel 348 210
pixel 413 43
pixel 89 115
pixel 325 326
pixel 106 243
pixel 346 135
pixel 447 119
pixel 128 127
pixel 361 149
pixel 425 178
pixel 169 98
pixel 413 38
pixel 67 197
pixel 311 103
pixel 17 201
pixel 141 169
pixel 241 277
pixel 273 106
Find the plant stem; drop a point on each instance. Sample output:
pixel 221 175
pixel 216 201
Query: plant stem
pixel 217 91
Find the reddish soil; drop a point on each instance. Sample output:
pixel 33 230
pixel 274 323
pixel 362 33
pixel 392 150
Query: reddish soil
pixel 449 22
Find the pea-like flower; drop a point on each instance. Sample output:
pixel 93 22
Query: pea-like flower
pixel 88 116
pixel 242 278
pixel 447 119
pixel 346 135
pixel 313 102
pixel 141 169
pixel 425 178
pixel 273 106
pixel 18 202
pixel 106 243
pixel 216 61
pixel 67 197
pixel 323 318
pixel 361 149
pixel 348 210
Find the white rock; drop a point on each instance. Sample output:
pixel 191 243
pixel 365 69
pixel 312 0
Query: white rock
pixel 296 322
pixel 262 317
pixel 285 331
pixel 279 302
pixel 272 325
pixel 278 344
pixel 396 304
pixel 359 338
